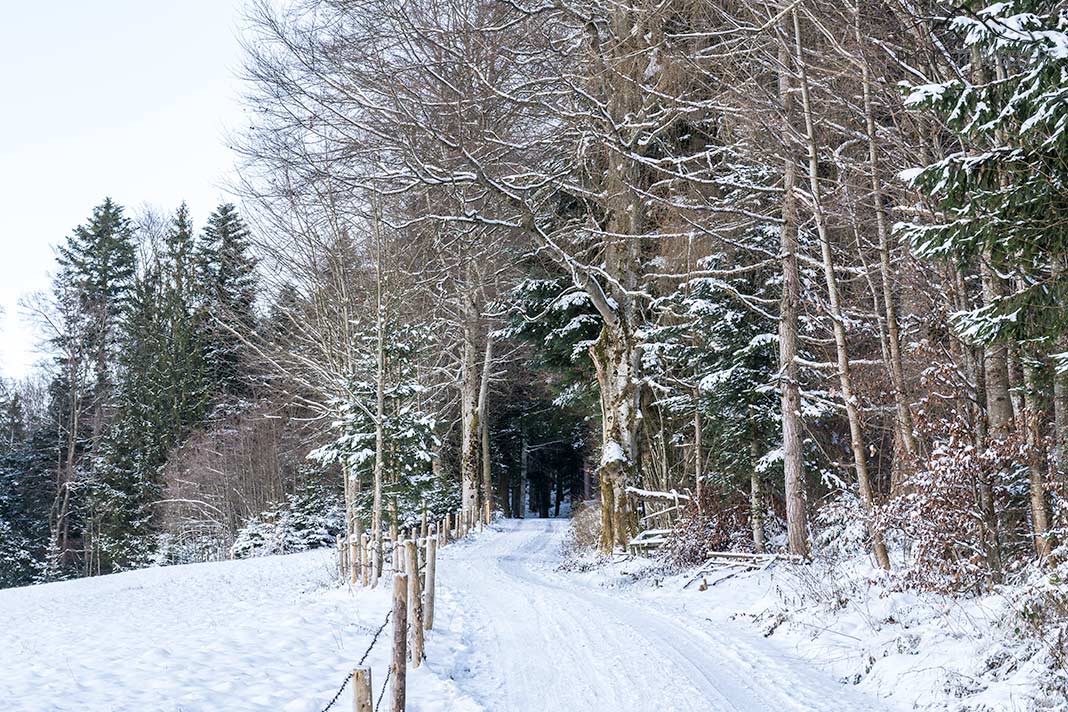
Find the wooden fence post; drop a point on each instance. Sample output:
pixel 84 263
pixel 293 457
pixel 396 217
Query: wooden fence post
pixel 365 559
pixel 361 690
pixel 445 529
pixel 400 639
pixel 341 556
pixel 415 604
pixel 375 565
pixel 393 521
pixel 431 574
pixel 355 553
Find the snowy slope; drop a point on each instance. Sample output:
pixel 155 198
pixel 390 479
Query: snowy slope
pixel 278 634
pixel 260 634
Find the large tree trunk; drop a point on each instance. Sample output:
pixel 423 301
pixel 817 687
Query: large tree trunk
pixel 483 420
pixel 790 388
pixel 470 474
pixel 616 360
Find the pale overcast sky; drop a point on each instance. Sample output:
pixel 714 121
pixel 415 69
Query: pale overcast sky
pixel 127 98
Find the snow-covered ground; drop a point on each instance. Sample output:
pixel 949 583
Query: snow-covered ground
pixel 275 633
pixel 511 633
pixel 912 650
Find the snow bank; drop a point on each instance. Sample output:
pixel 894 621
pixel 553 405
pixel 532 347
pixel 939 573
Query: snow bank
pixel 914 650
pixel 273 633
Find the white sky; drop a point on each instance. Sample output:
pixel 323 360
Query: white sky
pixel 127 98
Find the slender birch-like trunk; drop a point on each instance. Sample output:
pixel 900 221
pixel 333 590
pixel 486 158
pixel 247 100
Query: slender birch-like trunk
pixel 999 416
pixel 1060 392
pixel 698 456
pixel 756 489
pixel 469 402
pixel 1037 466
pixel 893 329
pixel 380 407
pixel 856 434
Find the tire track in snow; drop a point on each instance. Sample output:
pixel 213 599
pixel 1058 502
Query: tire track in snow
pixel 542 641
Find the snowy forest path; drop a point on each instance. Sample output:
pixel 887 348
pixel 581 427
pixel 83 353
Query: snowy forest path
pixel 539 640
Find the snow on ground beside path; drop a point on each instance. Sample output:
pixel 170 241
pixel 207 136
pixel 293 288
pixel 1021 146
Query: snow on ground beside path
pixel 275 633
pixel 913 650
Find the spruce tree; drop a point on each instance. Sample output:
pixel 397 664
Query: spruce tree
pixel 27 491
pixel 162 397
pixel 90 292
pixel 97 266
pixel 226 271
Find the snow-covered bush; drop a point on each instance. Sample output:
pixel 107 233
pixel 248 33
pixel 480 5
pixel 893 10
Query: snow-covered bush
pixel 189 547
pixel 941 511
pixel 1039 620
pixel 307 520
pixel 17 564
pixel 722 524
pixel 841 530
pixel 585 532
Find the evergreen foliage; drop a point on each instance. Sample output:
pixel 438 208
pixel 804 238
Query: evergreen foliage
pixel 1005 197
pixel 227 277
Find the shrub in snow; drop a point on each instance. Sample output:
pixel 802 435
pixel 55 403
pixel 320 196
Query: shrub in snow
pixel 307 520
pixel 1038 618
pixel 941 511
pixel 17 563
pixel 585 531
pixel 190 547
pixel 841 530
pixel 722 524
